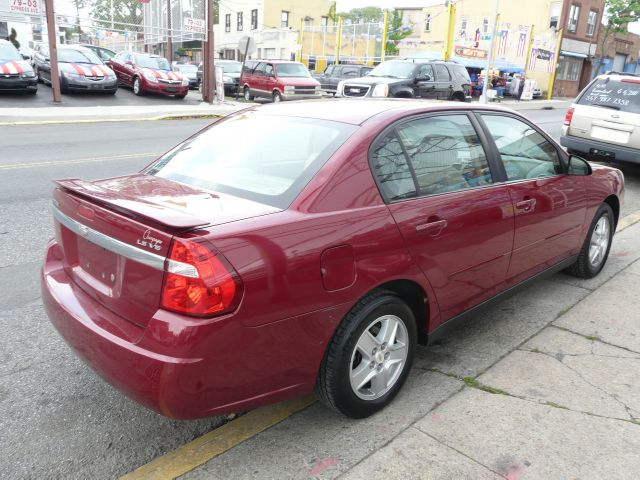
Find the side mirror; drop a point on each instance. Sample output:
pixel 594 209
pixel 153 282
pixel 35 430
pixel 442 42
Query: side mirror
pixel 25 56
pixel 423 78
pixel 129 62
pixel 578 166
pixel 47 59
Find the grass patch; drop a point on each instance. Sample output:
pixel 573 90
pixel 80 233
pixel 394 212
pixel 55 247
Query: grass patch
pixel 535 350
pixel 557 405
pixel 473 383
pixel 593 338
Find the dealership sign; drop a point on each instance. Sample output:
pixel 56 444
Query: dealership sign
pixel 25 6
pixel 195 25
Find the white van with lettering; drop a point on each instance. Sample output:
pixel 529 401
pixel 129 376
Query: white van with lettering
pixel 604 121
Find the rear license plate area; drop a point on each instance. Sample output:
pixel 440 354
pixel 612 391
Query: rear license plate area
pixel 609 135
pixel 98 263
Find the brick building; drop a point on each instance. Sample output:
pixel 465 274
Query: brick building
pixel 621 53
pixel 581 21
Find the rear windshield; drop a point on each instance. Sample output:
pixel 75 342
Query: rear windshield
pixel 267 159
pixel 615 94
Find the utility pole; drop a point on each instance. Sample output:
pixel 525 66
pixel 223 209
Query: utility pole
pixel 385 28
pixel 336 58
pixel 483 97
pixel 208 67
pixel 556 57
pixel 52 36
pixel 450 29
pixel 169 52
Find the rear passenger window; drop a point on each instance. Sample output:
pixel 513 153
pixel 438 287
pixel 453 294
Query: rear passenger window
pixel 442 74
pixel 430 156
pixel 350 72
pixel 524 151
pixel 391 170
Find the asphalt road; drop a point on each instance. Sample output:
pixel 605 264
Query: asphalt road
pixel 123 97
pixel 57 418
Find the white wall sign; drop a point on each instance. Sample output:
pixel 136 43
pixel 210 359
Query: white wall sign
pixel 25 6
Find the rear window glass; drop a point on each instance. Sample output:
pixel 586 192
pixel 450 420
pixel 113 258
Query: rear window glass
pixel 267 159
pixel 615 94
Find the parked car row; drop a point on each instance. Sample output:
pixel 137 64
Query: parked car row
pixel 16 74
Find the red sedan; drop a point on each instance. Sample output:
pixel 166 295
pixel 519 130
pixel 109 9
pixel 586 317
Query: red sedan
pixel 317 252
pixel 146 73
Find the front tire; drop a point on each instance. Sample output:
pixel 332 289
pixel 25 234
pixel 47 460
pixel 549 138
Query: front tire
pixel 247 94
pixel 276 97
pixel 595 249
pixel 369 357
pixel 137 87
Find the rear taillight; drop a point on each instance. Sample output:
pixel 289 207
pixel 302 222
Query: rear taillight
pixel 198 281
pixel 568 116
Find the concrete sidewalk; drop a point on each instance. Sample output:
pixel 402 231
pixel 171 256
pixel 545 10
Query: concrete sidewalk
pixel 59 114
pixel 542 386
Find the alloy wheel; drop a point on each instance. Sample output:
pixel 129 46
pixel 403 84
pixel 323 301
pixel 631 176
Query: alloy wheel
pixel 599 242
pixel 379 357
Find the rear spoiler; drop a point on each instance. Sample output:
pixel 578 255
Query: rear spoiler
pixel 132 207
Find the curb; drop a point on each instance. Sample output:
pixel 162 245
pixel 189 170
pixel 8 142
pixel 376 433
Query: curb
pixel 59 121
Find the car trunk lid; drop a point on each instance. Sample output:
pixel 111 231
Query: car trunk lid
pixel 116 234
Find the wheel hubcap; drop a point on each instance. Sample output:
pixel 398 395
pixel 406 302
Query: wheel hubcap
pixel 599 242
pixel 379 357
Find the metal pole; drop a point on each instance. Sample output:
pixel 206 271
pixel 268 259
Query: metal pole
pixel 529 47
pixel 208 66
pixel 336 58
pixel 53 50
pixel 450 29
pixel 483 97
pixel 299 42
pixel 556 57
pixel 385 27
pixel 169 53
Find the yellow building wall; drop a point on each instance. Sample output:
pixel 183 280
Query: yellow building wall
pixel 515 16
pixel 316 9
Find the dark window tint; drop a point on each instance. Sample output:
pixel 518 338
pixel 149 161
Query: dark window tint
pixel 426 70
pixel 446 154
pixel 329 70
pixel 259 70
pixel 525 152
pixel 615 94
pixel 350 71
pixel 442 74
pixel 391 170
pixel 459 73
pixel 266 167
pixel 268 70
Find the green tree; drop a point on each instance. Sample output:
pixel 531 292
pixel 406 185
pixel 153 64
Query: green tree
pixel 127 14
pixel 397 32
pixel 618 15
pixel 363 15
pixel 13 38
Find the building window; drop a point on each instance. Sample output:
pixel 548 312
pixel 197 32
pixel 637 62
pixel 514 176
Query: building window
pixel 324 21
pixel 427 23
pixel 569 69
pixel 463 28
pixel 485 26
pixel 227 22
pixel 572 22
pixel 554 15
pixel 592 21
pixel 254 19
pixel 239 24
pixel 284 19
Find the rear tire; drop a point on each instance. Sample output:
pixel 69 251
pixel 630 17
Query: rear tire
pixel 595 249
pixel 369 356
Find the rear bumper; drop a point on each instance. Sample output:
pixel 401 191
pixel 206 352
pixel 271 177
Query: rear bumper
pixel 183 367
pixel 588 146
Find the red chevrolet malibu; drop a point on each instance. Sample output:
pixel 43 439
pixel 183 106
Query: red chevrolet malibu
pixel 316 252
pixel 146 73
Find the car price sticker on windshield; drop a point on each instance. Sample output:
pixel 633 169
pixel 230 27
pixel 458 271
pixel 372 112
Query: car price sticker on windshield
pixel 25 6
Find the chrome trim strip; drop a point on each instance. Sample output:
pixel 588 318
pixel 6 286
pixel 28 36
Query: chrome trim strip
pixel 116 246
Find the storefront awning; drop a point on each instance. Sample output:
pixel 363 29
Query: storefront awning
pixel 572 54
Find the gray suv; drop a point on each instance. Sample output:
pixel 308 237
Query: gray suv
pixel 411 78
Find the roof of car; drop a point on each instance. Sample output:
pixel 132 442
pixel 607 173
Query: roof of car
pixel 71 47
pixel 357 111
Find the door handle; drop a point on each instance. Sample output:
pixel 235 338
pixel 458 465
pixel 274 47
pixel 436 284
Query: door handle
pixel 526 205
pixel 432 227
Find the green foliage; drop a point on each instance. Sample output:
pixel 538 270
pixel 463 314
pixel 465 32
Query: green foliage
pixel 397 32
pixel 13 38
pixel 618 15
pixel 126 14
pixel 362 15
pixel 332 12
